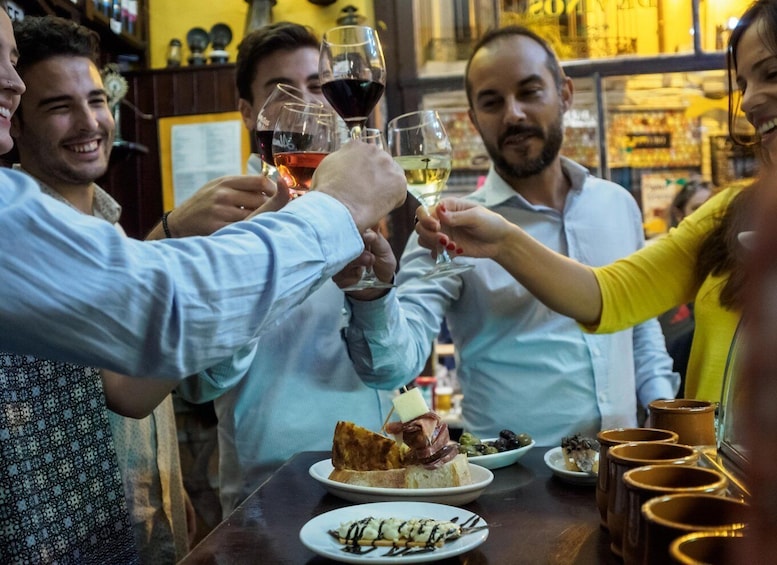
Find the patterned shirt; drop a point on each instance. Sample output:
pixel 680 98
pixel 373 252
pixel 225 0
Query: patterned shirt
pixel 61 496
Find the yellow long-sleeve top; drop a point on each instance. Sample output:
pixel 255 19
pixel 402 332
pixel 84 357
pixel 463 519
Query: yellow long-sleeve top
pixel 661 276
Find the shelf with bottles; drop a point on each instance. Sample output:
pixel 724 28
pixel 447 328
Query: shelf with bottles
pixel 122 18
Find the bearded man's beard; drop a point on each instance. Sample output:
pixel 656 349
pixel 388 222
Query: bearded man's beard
pixel 530 166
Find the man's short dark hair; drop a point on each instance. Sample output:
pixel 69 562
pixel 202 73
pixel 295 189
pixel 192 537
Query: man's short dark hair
pixel 263 42
pixel 40 38
pixel 492 35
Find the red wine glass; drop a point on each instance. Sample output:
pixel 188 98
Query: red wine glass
pixel 352 73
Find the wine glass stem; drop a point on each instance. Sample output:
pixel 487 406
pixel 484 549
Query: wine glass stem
pixel 356 132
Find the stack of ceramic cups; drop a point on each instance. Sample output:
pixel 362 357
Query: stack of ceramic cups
pixel 651 491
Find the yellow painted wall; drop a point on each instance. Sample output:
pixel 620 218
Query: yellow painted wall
pixel 169 19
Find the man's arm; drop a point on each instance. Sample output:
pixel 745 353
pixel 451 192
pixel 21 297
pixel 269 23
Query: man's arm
pixel 390 338
pixel 653 374
pixel 74 289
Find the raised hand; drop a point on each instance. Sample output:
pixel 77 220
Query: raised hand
pixel 463 227
pixel 218 203
pixel 379 254
pixel 365 179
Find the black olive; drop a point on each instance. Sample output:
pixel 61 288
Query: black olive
pixel 507 434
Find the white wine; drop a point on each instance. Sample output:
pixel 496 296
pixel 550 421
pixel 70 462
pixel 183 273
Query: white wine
pixel 426 176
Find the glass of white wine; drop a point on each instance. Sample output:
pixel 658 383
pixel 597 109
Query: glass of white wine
pixel 419 144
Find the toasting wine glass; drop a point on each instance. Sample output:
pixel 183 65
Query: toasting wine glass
pixel 352 73
pixel 369 279
pixel 268 115
pixel 419 144
pixel 303 135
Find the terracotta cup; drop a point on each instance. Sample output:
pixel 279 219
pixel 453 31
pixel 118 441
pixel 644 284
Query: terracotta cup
pixel 629 456
pixel 707 548
pixel 644 483
pixel 674 515
pixel 608 438
pixel 693 420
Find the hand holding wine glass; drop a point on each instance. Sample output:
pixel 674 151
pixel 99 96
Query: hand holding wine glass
pixel 352 73
pixel 419 144
pixel 304 134
pixel 268 115
pixel 368 278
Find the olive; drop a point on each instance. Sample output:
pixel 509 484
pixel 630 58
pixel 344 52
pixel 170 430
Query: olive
pixel 468 439
pixel 500 444
pixel 507 434
pixel 524 439
pixel 490 450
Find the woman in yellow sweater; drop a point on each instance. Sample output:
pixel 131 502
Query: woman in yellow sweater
pixel 701 260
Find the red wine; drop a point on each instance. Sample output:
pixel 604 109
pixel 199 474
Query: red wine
pixel 352 98
pixel 298 167
pixel 264 142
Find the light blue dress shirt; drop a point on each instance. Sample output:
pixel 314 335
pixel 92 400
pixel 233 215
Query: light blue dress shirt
pixel 75 289
pixel 285 395
pixel 522 366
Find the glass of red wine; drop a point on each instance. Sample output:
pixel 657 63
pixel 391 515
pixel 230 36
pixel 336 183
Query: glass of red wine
pixel 268 115
pixel 352 73
pixel 303 135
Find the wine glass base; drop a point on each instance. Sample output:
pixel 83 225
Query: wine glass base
pixel 446 270
pixel 368 283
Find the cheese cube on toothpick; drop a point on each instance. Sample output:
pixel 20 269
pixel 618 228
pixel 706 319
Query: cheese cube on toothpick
pixel 410 404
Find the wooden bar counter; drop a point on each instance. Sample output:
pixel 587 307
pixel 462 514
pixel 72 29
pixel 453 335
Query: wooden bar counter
pixel 534 518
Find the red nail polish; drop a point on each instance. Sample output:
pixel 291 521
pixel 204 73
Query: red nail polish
pixel 443 241
pixel 450 247
pixel 442 207
pixel 459 251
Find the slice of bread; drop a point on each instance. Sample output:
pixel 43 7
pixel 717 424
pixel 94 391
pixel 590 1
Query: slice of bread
pixel 392 478
pixel 452 474
pixel 358 449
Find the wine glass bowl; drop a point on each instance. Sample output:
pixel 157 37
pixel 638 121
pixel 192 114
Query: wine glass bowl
pixel 420 145
pixel 303 135
pixel 352 72
pixel 268 115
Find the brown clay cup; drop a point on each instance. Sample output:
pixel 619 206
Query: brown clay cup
pixel 608 438
pixel 693 420
pixel 707 548
pixel 674 515
pixel 629 456
pixel 644 483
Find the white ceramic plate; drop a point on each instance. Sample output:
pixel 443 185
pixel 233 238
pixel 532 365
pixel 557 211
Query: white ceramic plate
pixel 314 535
pixel 554 458
pixel 481 478
pixel 499 460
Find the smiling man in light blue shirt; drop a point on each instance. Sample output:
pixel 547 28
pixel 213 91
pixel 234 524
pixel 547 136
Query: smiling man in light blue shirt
pixel 522 366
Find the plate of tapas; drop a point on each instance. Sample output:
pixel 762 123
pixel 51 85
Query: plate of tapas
pixel 391 532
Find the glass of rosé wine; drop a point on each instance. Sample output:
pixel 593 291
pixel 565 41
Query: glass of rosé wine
pixel 303 135
pixel 268 115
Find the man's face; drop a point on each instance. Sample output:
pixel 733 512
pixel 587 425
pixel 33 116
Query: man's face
pixel 297 67
pixel 517 107
pixel 65 129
